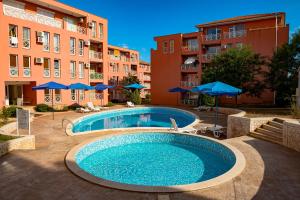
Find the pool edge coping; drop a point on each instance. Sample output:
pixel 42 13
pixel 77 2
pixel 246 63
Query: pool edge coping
pixel 69 127
pixel 235 171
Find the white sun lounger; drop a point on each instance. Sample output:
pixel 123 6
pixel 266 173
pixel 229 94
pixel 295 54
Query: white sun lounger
pixel 175 128
pixel 130 104
pixel 91 106
pixel 217 130
pixel 203 108
pixel 83 110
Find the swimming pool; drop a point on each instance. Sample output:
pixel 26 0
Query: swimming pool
pixel 133 117
pixel 155 162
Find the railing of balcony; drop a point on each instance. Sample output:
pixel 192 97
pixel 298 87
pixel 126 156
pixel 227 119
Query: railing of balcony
pixel 81 30
pixel 235 34
pixel 96 55
pixel 189 83
pixel 14 71
pixel 26 72
pixel 96 76
pixel 46 72
pixel 190 48
pixel 189 67
pixel 209 56
pixel 211 37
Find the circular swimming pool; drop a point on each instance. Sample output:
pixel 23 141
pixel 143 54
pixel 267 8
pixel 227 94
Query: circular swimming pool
pixel 133 117
pixel 155 162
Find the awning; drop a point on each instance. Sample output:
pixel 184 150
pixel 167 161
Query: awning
pixel 190 60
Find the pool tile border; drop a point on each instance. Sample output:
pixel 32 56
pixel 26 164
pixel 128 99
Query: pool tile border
pixel 229 175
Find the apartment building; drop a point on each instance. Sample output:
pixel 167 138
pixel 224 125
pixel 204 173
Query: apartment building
pixel 121 63
pixel 145 77
pixel 45 40
pixel 179 58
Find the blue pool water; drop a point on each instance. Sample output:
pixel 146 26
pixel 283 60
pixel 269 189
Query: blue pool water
pixel 155 159
pixel 134 117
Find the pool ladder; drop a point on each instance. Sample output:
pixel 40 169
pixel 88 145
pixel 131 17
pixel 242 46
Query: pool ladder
pixel 69 122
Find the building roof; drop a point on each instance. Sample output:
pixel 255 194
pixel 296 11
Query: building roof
pixel 242 19
pixel 144 62
pixel 121 48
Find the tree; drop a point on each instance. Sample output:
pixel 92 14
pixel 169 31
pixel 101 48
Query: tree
pixel 130 93
pixel 283 73
pixel 239 67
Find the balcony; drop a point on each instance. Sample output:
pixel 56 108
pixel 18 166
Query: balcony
pixel 189 68
pixel 81 30
pixel 189 84
pixel 208 57
pixel 95 76
pixel 190 49
pixel 235 34
pixel 212 37
pixel 95 56
pixel 147 78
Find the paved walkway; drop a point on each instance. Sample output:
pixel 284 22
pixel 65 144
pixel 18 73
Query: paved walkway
pixel 272 171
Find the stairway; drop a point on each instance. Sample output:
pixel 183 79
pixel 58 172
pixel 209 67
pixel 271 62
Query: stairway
pixel 271 131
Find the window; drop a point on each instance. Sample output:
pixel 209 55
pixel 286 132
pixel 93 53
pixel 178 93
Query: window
pixel 56 41
pixel 165 47
pixel 81 95
pixel 213 34
pixel 73 95
pixel 57 68
pixel 26 66
pixel 237 31
pixel 73 69
pixel 13 36
pixel 47 67
pixel 171 46
pixel 57 96
pixel 81 70
pixel 47 96
pixel 46 41
pixel 192 44
pixel 94 29
pixel 26 38
pixel 72 46
pixel 13 65
pixel 101 31
pixel 71 25
pixel 81 47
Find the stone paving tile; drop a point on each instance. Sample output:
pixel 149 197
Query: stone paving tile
pixel 272 171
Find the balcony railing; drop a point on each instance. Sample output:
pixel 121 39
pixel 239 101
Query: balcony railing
pixel 14 71
pixel 189 83
pixel 96 55
pixel 46 72
pixel 208 57
pixel 190 48
pixel 81 30
pixel 189 67
pixel 48 98
pixel 26 72
pixel 96 76
pixel 13 41
pixel 211 37
pixel 235 34
pixel 26 43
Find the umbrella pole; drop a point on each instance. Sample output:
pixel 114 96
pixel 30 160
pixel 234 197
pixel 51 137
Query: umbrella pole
pixel 216 111
pixel 78 97
pixel 52 105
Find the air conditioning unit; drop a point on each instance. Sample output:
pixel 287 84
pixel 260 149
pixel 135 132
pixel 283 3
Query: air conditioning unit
pixel 39 34
pixel 39 60
pixel 87 43
pixel 87 65
pixel 81 20
pixel 90 24
pixel 224 46
pixel 39 40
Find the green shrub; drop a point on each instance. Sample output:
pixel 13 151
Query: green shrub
pixel 147 99
pixel 109 104
pixel 4 115
pixel 295 110
pixel 11 111
pixel 207 100
pixel 42 108
pixel 135 97
pixel 74 106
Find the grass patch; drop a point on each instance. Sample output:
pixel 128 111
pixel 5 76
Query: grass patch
pixel 4 138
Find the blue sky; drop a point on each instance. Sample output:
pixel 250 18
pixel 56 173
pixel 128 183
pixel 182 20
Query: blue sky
pixel 134 23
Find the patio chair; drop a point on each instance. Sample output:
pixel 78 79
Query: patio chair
pixel 129 104
pixel 175 128
pixel 83 110
pixel 203 108
pixel 91 106
pixel 217 130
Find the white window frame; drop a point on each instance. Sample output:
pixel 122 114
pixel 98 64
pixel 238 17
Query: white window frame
pixel 49 68
pixel 81 47
pixel 81 70
pixel 13 35
pixel 56 42
pixel 73 95
pixel 57 71
pixel 28 30
pixel 73 69
pixel 172 43
pixel 14 70
pixel 81 95
pixel 46 41
pixel 165 47
pixel 72 46
pixel 101 33
pixel 27 68
pixel 94 29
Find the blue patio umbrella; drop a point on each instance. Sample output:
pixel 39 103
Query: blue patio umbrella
pixel 178 90
pixel 101 87
pixel 80 86
pixel 217 89
pixel 134 86
pixel 51 86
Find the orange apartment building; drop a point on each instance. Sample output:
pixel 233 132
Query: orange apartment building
pixel 122 62
pixel 45 40
pixel 179 58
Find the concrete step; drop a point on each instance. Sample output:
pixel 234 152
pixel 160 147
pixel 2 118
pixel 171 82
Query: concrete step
pixel 276 124
pixel 266 137
pixel 269 133
pixel 278 120
pixel 272 128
